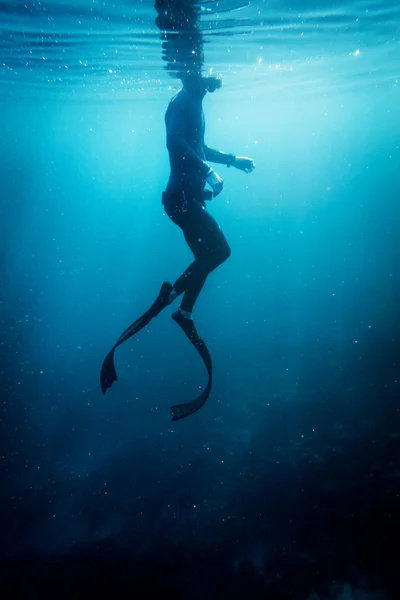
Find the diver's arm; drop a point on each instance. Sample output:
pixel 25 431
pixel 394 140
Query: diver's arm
pixel 218 157
pixel 177 144
pixel 239 162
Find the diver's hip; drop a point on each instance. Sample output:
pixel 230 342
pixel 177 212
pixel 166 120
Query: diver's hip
pixel 185 196
pixel 181 209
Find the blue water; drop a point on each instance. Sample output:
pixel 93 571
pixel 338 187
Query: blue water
pixel 286 484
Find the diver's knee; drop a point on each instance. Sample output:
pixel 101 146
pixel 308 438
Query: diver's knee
pixel 224 254
pixel 228 251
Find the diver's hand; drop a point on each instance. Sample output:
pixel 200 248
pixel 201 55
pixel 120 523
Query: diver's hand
pixel 215 182
pixel 244 164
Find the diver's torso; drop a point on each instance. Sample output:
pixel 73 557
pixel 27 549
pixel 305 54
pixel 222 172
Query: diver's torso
pixel 187 115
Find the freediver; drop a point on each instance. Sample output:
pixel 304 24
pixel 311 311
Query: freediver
pixel 184 201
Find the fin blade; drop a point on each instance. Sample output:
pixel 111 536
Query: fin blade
pixel 108 373
pixel 181 411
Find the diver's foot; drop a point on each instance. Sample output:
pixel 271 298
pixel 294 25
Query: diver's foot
pixel 187 325
pixel 162 299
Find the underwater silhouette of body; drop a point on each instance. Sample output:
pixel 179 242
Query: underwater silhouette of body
pixel 185 197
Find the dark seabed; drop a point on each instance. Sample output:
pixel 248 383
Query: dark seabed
pixel 286 484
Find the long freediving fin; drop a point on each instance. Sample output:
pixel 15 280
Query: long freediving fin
pixel 108 373
pixel 180 411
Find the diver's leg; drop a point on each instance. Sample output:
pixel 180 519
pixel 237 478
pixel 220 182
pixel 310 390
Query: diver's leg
pixel 192 280
pixel 210 248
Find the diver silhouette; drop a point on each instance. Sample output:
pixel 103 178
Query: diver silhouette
pixel 184 201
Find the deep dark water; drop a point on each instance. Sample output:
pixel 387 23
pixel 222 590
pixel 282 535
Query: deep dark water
pixel 299 521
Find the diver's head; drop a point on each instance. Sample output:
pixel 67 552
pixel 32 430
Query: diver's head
pixel 213 83
pixel 198 85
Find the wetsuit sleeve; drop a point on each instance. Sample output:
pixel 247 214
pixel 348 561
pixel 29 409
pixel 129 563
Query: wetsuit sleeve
pixel 177 144
pixel 218 157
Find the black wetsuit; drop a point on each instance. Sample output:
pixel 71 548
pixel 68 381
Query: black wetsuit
pixel 183 198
